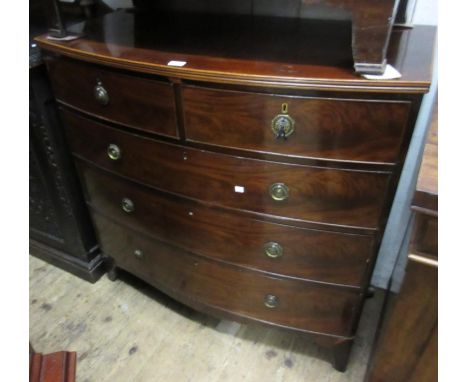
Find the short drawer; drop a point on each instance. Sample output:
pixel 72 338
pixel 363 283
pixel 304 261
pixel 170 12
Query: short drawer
pixel 143 104
pixel 226 289
pixel 234 238
pixel 324 195
pixel 336 129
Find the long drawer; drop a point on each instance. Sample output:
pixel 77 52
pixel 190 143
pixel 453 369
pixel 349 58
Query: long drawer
pixel 324 195
pixel 143 104
pixel 296 252
pixel 337 129
pixel 228 289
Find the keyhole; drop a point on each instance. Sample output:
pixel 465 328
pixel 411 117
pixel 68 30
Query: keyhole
pixel 284 108
pixel 282 125
pixel 281 132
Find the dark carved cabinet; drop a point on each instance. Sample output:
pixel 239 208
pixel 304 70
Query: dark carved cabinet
pixel 60 230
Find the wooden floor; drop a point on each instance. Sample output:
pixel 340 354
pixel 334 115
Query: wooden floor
pixel 125 331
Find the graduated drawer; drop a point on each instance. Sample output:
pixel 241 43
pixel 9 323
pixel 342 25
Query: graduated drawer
pixel 226 289
pixel 324 195
pixel 268 247
pixel 338 129
pixel 140 103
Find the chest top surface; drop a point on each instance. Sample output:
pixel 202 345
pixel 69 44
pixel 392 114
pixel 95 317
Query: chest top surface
pixel 246 50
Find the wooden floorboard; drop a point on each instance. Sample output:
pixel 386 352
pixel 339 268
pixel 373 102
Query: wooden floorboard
pixel 126 331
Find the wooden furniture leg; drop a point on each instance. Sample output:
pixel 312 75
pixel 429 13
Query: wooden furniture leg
pixel 340 350
pixel 112 271
pixel 340 355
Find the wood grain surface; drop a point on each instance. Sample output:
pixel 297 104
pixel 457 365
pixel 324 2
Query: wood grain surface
pixel 336 129
pixel 323 256
pixel 426 194
pixel 143 104
pixel 199 282
pixel 316 194
pixel 407 328
pixel 53 367
pixel 130 41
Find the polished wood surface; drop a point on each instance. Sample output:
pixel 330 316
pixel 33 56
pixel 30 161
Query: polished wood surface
pixel 425 234
pixel 407 328
pixel 308 254
pixel 132 41
pixel 52 367
pixel 426 194
pixel 426 368
pixel 371 21
pixel 199 281
pixel 337 129
pixel 372 24
pixel 143 104
pixel 324 195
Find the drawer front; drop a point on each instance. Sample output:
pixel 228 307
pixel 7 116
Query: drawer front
pixel 139 103
pixel 228 289
pixel 324 195
pixel 354 130
pixel 304 253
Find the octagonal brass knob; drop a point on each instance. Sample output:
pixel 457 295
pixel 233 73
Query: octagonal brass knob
pixel 271 301
pixel 127 205
pixel 100 94
pixel 273 250
pixel 138 254
pixel 114 152
pixel 279 191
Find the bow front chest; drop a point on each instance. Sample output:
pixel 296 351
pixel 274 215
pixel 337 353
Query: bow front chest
pixel 251 189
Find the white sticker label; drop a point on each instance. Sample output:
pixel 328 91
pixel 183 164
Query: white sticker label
pixel 239 189
pixel 176 63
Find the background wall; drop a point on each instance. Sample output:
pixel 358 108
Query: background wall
pixel 424 11
pixel 118 3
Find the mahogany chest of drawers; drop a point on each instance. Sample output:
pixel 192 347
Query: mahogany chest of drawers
pixel 237 191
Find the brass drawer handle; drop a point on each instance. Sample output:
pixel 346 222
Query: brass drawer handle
pixel 271 301
pixel 283 125
pixel 114 152
pixel 127 205
pixel 273 250
pixel 100 94
pixel 138 254
pixel 279 191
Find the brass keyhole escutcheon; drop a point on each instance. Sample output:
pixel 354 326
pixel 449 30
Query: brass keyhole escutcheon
pixel 271 301
pixel 273 250
pixel 283 125
pixel 279 191
pixel 114 152
pixel 127 205
pixel 100 93
pixel 138 254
